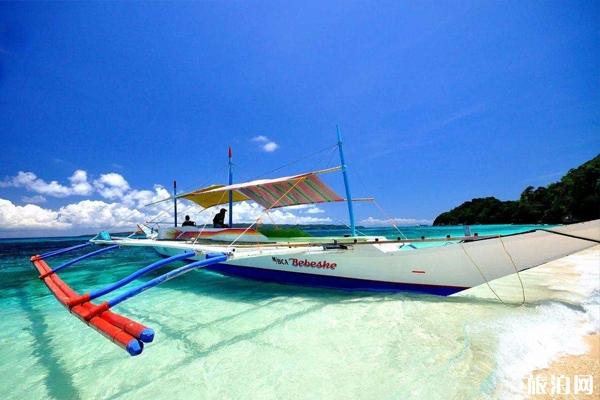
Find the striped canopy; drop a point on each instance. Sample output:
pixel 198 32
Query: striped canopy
pixel 293 190
pixel 206 198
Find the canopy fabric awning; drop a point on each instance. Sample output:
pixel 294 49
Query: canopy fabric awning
pixel 206 198
pixel 286 191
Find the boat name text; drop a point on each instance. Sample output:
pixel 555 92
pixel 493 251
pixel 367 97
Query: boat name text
pixel 298 262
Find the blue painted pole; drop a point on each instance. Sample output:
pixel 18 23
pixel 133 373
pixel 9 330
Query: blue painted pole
pixel 175 201
pixel 230 192
pixel 346 183
pixel 65 250
pixel 107 289
pixel 165 277
pixel 83 257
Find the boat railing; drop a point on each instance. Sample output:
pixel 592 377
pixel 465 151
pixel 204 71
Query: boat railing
pixel 363 241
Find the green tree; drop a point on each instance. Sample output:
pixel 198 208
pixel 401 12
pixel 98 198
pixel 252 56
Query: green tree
pixel 576 197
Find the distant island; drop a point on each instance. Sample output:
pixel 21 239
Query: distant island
pixel 576 197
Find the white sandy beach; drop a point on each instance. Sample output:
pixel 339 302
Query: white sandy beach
pixel 554 360
pixel 573 367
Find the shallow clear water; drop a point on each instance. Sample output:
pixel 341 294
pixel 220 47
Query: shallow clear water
pixel 219 337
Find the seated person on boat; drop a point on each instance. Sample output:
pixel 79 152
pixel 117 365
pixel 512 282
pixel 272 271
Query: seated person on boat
pixel 188 221
pixel 219 219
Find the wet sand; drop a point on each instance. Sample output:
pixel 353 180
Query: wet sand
pixel 570 367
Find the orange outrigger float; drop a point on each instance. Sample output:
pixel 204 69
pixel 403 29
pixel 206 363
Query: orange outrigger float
pixel 126 333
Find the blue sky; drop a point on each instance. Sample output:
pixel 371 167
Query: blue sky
pixel 438 102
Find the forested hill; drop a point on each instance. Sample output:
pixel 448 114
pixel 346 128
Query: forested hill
pixel 576 197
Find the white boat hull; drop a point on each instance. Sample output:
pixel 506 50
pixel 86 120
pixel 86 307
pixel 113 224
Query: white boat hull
pixel 384 266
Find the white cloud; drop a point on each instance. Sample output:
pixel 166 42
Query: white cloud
pixel 270 147
pixel 247 212
pixel 29 217
pixel 111 186
pixel 35 199
pixel 297 207
pixel 306 208
pixel 100 215
pixel 113 179
pixel 88 216
pixel 370 221
pixel 80 184
pixel 140 198
pixel 30 181
pixel 85 215
pixel 122 213
pixel 120 208
pixel 266 144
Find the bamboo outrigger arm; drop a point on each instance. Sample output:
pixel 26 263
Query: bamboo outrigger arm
pixel 123 331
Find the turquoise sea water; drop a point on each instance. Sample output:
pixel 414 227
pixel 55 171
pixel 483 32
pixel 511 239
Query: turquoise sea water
pixel 226 338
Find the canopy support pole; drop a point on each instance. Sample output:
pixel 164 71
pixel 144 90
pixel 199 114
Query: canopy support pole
pixel 346 183
pixel 230 192
pixel 175 201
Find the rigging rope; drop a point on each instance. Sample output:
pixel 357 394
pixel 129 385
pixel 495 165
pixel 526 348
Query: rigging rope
pixel 267 210
pixel 348 226
pixel 379 207
pixel 515 268
pixel 480 272
pixel 130 214
pixel 389 218
pixel 296 161
pixel 571 236
pixel 207 222
pixel 485 278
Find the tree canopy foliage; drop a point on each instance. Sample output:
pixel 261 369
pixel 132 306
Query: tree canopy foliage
pixel 576 197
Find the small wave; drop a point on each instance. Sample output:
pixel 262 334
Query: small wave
pixel 533 339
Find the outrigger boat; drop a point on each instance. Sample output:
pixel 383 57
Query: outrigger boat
pixel 351 262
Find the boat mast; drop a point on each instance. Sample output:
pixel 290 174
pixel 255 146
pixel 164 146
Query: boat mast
pixel 230 192
pixel 175 201
pixel 346 183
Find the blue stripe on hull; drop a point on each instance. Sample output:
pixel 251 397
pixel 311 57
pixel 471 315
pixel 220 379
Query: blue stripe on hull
pixel 336 282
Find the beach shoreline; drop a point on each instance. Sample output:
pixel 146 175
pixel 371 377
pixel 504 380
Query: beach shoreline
pixel 561 379
pixel 573 375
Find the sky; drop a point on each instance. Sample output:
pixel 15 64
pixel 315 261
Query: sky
pixel 102 105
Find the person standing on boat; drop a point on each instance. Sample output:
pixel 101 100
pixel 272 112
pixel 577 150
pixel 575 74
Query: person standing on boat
pixel 219 219
pixel 188 221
